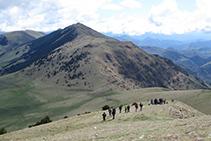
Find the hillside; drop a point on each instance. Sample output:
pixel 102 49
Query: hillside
pixel 188 47
pixel 173 121
pixel 24 103
pixel 77 69
pixel 78 57
pixel 10 43
pixel 15 38
pixel 196 65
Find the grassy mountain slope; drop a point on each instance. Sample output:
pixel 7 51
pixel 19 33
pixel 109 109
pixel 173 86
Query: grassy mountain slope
pixel 11 42
pixel 173 121
pixel 177 56
pixel 201 72
pixel 170 54
pixel 77 69
pixel 80 57
pixel 194 65
pixel 11 39
pixel 25 103
pixel 45 45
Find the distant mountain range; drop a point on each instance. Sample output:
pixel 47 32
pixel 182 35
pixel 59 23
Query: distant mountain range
pixel 186 37
pixel 196 65
pixel 78 56
pixel 191 53
pixel 148 41
pixel 189 47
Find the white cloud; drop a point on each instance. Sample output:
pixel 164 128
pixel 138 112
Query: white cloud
pixel 131 4
pixel 112 7
pixel 169 19
pixel 4 4
pixel 165 16
pixel 203 4
pixel 164 9
pixel 131 25
pixel 48 15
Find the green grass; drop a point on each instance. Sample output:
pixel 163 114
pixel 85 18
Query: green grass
pixel 24 103
pixel 198 99
pixel 153 123
pixel 16 103
pixel 21 107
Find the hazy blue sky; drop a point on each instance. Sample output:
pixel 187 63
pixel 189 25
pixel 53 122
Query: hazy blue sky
pixel 132 17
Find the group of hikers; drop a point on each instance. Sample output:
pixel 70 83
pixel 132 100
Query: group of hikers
pixel 112 112
pixel 158 101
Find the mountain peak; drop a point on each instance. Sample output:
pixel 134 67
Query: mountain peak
pixel 80 57
pixel 82 30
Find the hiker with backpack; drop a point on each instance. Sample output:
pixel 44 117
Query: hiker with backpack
pixel 136 107
pixel 125 108
pixel 161 101
pixel 128 108
pixel 156 101
pixel 104 116
pixel 114 112
pixel 120 108
pixel 152 102
pixel 109 111
pixel 141 105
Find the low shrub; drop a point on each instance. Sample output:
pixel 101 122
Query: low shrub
pixel 105 107
pixel 65 117
pixel 134 103
pixel 87 112
pixel 3 131
pixel 43 121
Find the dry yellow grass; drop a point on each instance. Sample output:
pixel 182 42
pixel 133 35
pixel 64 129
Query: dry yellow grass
pixel 173 121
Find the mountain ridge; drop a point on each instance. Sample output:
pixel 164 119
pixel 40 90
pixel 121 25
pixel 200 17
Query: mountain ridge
pixel 71 71
pixel 50 42
pixel 20 37
pixel 76 49
pixel 129 125
pixel 11 44
pixel 195 65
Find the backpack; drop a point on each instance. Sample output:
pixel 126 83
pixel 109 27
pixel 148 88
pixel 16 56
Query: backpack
pixel 141 104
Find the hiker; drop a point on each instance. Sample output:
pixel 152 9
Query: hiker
pixel 164 101
pixel 125 108
pixel 104 116
pixel 161 101
pixel 141 105
pixel 156 101
pixel 109 111
pixel 152 101
pixel 136 106
pixel 120 108
pixel 128 108
pixel 114 112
